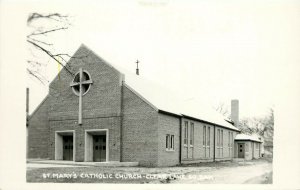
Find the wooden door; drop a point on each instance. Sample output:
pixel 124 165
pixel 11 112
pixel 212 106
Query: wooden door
pixel 241 150
pixel 99 149
pixel 67 147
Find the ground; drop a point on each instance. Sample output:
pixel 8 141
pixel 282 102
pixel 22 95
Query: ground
pixel 229 172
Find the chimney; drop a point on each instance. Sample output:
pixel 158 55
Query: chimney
pixel 235 112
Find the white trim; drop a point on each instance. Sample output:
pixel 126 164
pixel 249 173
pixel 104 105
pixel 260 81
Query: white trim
pixel 74 142
pixel 86 144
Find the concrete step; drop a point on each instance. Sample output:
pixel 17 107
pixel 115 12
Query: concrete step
pixel 96 164
pixel 238 160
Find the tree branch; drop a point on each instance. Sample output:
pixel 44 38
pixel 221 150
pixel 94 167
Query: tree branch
pixel 52 16
pixel 65 54
pixel 51 55
pixel 32 73
pixel 35 63
pixel 45 43
pixel 47 31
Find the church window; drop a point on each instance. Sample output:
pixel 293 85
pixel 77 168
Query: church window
pixel 192 135
pixel 222 141
pixel 172 142
pixel 208 136
pixel 185 140
pixel 81 80
pixel 204 135
pixel 169 142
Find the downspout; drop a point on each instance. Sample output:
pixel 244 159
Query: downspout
pixel 121 119
pixel 27 118
pixel 214 159
pixel 180 140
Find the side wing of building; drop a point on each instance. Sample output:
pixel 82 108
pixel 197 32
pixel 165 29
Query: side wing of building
pixel 38 131
pixel 139 130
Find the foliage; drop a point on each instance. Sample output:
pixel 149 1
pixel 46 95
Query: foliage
pixel 263 127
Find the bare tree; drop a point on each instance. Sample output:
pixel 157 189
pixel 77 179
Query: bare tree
pixel 222 109
pixel 42 28
pixel 262 126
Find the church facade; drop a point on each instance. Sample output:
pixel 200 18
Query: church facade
pixel 101 114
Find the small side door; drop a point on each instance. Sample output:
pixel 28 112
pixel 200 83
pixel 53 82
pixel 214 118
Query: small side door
pixel 241 150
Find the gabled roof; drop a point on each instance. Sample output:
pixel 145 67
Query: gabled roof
pixel 163 99
pixel 243 137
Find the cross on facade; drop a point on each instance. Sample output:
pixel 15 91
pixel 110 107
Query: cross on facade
pixel 80 85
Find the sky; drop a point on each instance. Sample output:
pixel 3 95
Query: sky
pixel 212 51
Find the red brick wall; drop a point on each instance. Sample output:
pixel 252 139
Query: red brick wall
pixel 103 98
pixel 110 123
pixel 225 155
pixel 168 125
pixel 140 135
pixel 101 108
pixel 38 132
pixel 199 153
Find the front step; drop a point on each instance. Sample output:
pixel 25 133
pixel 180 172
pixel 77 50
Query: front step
pixel 97 164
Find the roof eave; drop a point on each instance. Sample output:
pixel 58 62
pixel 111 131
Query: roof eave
pixel 169 113
pixel 247 140
pixel 203 121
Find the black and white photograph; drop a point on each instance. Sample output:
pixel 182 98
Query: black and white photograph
pixel 155 93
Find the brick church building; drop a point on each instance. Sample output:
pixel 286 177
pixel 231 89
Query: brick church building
pixel 102 113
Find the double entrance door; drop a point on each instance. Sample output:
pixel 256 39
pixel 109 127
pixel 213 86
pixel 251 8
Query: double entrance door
pixel 99 148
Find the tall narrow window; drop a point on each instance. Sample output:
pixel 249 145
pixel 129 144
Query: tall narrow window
pixel 228 138
pixel 185 141
pixel 172 142
pixel 218 142
pixel 204 135
pixel 208 136
pixel 167 141
pixel 222 143
pixel 218 136
pixel 192 135
pixel 232 139
pixel 208 141
pixel 229 151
